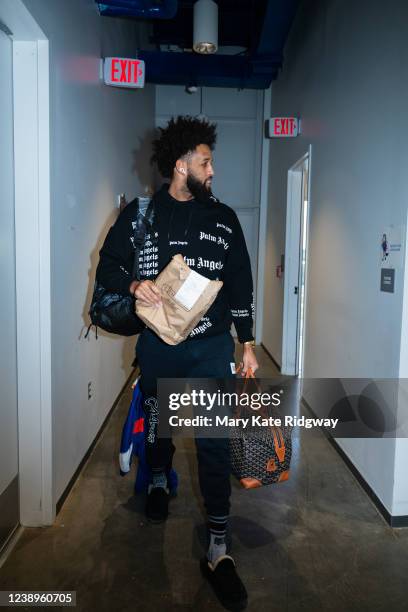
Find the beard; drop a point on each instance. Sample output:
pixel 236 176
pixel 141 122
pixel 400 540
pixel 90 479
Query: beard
pixel 200 191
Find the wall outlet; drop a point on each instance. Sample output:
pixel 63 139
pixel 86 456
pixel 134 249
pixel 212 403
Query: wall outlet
pixel 90 390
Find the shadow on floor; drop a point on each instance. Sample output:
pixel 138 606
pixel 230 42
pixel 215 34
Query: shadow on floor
pixel 313 543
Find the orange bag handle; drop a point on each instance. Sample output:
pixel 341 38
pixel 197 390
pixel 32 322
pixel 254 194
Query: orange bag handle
pixel 278 439
pixel 248 375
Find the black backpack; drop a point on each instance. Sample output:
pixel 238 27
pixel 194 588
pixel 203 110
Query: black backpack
pixel 115 312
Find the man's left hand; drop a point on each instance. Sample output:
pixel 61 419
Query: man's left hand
pixel 248 360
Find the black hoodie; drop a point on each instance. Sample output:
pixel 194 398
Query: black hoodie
pixel 209 237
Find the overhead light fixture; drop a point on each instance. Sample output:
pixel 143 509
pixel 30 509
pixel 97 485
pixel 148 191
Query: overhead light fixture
pixel 205 26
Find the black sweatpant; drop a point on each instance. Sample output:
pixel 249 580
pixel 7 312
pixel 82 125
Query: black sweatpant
pixel 197 358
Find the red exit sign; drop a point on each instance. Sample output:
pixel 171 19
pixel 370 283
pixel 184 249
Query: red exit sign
pixel 124 72
pixel 282 127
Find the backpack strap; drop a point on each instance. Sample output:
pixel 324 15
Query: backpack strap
pixel 144 223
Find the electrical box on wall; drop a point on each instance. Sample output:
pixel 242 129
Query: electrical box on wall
pixel 387 280
pixel 124 72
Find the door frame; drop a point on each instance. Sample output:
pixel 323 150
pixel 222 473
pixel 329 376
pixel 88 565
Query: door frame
pixel 33 269
pixel 291 273
pixel 263 217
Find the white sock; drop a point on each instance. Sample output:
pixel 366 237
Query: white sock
pixel 218 530
pixel 159 479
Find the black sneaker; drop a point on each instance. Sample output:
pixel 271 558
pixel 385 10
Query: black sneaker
pixel 157 505
pixel 226 583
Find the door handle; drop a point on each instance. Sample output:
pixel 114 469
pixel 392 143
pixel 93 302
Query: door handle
pixel 296 291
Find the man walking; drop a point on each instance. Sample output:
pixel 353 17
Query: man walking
pixel 191 221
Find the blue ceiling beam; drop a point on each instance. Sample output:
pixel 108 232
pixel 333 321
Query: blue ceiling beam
pixel 254 71
pixel 279 16
pixel 166 67
pixel 142 9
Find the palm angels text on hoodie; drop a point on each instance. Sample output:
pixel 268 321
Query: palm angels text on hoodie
pixel 209 237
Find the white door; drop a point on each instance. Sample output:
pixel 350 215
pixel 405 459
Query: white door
pixel 9 506
pixel 295 267
pixel 239 118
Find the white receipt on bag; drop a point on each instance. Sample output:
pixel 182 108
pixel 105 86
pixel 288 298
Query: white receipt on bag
pixel 191 289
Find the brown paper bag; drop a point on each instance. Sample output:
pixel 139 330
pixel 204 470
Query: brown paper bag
pixel 186 297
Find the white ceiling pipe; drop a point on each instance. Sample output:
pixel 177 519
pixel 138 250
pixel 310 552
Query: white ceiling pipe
pixel 205 26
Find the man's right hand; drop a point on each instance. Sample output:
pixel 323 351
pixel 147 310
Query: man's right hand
pixel 146 293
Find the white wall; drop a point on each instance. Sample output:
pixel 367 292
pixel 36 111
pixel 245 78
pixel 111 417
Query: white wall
pixel 94 131
pixel 400 499
pixel 344 76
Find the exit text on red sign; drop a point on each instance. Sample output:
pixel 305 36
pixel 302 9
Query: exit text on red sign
pixel 124 72
pixel 283 127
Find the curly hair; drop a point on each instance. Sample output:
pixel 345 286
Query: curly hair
pixel 181 136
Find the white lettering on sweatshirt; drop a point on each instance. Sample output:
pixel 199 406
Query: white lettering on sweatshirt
pixel 204 236
pixel 228 229
pixel 209 264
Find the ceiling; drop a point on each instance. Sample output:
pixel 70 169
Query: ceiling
pixel 251 39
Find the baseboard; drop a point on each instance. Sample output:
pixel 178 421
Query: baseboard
pixel 10 545
pixel 79 469
pixel 9 510
pixel 392 521
pixel 271 357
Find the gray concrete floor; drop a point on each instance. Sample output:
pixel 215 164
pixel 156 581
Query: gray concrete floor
pixel 313 543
